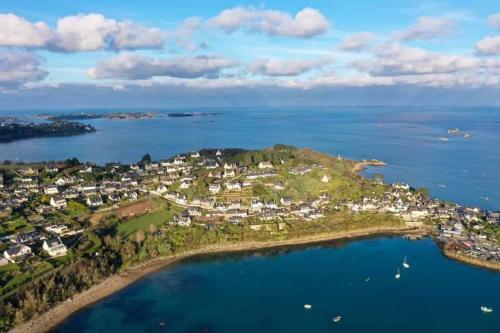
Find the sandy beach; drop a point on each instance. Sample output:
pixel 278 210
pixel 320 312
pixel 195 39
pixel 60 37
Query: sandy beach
pixel 53 317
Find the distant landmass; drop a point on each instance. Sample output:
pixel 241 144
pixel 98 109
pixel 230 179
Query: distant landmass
pixel 121 115
pixel 12 131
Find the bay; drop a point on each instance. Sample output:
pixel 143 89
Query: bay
pixel 265 291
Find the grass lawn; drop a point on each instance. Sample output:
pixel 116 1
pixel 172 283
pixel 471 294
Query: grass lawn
pixel 143 222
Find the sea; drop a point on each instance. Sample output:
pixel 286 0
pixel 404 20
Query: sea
pixel 266 291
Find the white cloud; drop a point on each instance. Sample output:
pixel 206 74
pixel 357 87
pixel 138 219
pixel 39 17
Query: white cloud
pixel 78 33
pixel 19 32
pixel 133 66
pixel 396 59
pixel 183 35
pixel 94 32
pixel 307 23
pixel 489 45
pixel 19 67
pixel 357 42
pixel 494 21
pixel 274 67
pixel 426 27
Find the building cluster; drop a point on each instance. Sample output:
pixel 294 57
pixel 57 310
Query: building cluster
pixel 209 189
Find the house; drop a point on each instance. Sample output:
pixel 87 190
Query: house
pixel 162 189
pixel 132 195
pixel 195 155
pixel 17 252
pixel 58 202
pixel 194 211
pixel 185 184
pixel 27 237
pixel 61 181
pixel 214 188
pixel 114 197
pixel 233 185
pixel 183 221
pixel 229 173
pixel 57 229
pixel 265 165
pixel 230 166
pixel 50 190
pixel 94 201
pixel 286 201
pixel 325 179
pixel 279 186
pixel 51 168
pixel 54 247
pixel 86 169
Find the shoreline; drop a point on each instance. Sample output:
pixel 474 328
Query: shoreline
pixel 55 316
pixel 465 259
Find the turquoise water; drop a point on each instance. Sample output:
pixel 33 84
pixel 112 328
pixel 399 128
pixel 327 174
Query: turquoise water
pixel 404 137
pixel 265 291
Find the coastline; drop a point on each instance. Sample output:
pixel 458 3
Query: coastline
pixel 50 319
pixel 494 266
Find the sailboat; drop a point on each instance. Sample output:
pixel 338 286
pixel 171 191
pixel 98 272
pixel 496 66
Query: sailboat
pixel 336 319
pixel 486 309
pixel 398 275
pixel 405 264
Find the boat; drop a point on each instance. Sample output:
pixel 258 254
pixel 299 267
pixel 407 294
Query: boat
pixel 307 306
pixel 162 324
pixel 466 135
pixel 454 131
pixel 405 264
pixel 367 279
pixel 398 275
pixel 486 309
pixel 336 319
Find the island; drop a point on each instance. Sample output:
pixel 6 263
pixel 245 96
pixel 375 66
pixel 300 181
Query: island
pixel 72 233
pixel 13 130
pixel 121 115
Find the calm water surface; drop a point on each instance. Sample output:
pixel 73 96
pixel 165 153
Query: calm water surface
pixel 265 291
pixel 462 170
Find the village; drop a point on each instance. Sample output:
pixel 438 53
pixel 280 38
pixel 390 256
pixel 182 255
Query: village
pixel 41 206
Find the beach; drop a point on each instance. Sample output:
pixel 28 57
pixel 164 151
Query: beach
pixel 58 314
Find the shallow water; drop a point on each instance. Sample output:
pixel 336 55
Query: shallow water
pixel 265 291
pixel 462 170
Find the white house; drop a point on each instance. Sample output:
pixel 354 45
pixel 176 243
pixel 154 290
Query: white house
pixel 54 247
pixel 17 252
pixel 58 202
pixel 265 165
pixel 325 179
pixel 214 188
pixel 51 190
pixel 94 201
pixel 233 185
pixel 57 229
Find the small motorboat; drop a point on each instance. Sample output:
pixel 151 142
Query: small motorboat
pixel 398 275
pixel 162 324
pixel 405 264
pixel 307 306
pixel 336 319
pixel 486 309
pixel 367 279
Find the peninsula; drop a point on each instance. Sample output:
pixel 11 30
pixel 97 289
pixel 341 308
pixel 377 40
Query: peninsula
pixel 12 131
pixel 72 233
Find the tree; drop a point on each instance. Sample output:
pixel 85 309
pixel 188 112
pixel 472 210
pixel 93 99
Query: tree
pixel 146 158
pixel 139 237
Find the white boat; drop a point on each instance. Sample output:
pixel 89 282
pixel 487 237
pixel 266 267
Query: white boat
pixel 336 319
pixel 405 264
pixel 466 135
pixel 486 309
pixel 307 306
pixel 367 279
pixel 454 131
pixel 398 275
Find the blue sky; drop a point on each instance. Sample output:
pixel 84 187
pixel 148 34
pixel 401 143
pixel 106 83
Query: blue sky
pixel 154 50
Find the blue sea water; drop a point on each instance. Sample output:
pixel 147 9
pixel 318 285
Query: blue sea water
pixel 265 291
pixel 407 138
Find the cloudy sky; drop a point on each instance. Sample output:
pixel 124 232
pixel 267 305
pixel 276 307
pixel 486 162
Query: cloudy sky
pixel 157 53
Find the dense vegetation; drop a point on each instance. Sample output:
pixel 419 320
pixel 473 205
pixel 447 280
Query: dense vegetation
pixel 19 131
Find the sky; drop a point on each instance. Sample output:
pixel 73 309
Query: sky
pixel 156 53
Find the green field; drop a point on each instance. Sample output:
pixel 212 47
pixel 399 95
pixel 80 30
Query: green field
pixel 143 222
